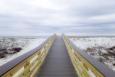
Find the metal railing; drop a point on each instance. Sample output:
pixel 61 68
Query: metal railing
pixel 27 65
pixel 83 67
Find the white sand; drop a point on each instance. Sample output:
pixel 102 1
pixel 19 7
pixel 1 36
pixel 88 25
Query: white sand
pixel 33 43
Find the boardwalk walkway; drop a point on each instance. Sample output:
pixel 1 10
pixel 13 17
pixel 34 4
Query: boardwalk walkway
pixel 57 63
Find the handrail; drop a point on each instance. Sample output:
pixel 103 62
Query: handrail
pixel 28 64
pixel 84 65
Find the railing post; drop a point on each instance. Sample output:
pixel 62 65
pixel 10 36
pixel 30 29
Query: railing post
pixel 27 69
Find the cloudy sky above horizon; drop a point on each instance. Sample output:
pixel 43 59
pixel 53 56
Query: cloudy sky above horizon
pixel 28 17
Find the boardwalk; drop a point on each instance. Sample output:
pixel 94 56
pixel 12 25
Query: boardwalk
pixel 57 63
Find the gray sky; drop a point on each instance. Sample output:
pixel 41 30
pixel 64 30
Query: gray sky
pixel 31 17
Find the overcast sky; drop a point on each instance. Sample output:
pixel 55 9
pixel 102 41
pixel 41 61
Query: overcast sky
pixel 28 17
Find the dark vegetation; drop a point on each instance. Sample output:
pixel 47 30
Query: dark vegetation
pixel 4 52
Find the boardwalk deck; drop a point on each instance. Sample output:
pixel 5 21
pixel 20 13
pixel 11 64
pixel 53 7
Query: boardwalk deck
pixel 57 63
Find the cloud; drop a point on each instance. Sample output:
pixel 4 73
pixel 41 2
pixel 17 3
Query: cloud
pixel 43 16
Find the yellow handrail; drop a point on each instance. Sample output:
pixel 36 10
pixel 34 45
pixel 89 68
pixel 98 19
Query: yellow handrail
pixel 31 65
pixel 82 66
